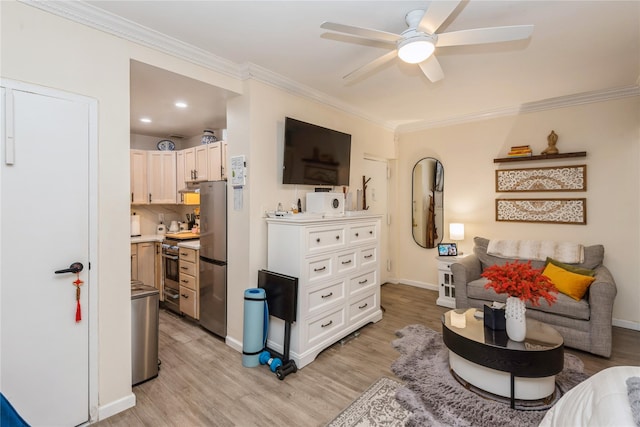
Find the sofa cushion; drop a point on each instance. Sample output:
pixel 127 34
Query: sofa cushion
pixel 571 268
pixel 564 305
pixel 593 256
pixel 567 282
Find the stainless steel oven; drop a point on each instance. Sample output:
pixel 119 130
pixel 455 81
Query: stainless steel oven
pixel 171 274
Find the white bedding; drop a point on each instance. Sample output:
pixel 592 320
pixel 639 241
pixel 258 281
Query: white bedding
pixel 601 401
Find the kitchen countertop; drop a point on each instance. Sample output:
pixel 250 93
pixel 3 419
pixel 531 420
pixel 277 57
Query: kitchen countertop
pixel 191 244
pixel 147 238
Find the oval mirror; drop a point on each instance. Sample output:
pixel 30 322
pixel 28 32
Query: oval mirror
pixel 427 198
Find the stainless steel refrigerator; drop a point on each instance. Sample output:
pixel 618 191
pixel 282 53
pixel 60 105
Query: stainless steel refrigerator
pixel 213 256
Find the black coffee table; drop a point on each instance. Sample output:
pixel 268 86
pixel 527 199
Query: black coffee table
pixel 487 359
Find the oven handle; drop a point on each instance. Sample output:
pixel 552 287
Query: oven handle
pixel 173 257
pixel 169 292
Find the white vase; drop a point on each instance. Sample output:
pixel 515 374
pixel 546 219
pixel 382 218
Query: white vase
pixel 516 320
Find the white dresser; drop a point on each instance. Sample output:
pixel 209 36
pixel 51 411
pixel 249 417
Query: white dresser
pixel 337 264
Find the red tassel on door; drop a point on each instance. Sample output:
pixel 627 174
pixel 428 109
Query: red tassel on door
pixel 77 283
pixel 78 312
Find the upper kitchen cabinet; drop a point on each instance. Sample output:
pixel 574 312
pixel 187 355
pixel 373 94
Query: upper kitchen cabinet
pixel 138 165
pixel 196 164
pixel 214 158
pixel 161 177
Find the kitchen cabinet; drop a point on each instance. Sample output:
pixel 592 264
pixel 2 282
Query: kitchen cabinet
pixel 214 161
pixel 138 168
pixel 196 164
pixel 189 282
pixel 179 176
pixel 146 263
pixel 337 265
pixel 223 159
pixel 161 177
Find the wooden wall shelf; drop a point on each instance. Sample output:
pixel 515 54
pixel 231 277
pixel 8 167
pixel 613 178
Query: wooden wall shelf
pixel 540 157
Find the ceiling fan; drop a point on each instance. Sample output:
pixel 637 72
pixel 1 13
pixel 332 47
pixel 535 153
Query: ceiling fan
pixel 417 44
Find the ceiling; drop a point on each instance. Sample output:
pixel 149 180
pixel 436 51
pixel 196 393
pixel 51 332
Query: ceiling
pixel 577 47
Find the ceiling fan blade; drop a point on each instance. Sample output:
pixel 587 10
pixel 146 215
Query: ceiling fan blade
pixel 484 35
pixel 371 65
pixel 436 14
pixel 362 32
pixel 432 69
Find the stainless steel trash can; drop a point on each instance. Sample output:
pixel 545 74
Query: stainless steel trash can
pixel 144 332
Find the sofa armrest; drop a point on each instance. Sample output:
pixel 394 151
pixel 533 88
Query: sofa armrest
pixel 464 271
pixel 602 293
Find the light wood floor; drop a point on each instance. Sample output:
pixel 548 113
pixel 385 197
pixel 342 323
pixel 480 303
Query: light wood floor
pixel 202 381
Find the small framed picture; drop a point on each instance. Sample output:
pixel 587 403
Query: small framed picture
pixel 447 249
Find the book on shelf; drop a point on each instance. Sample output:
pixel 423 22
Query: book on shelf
pixel 520 155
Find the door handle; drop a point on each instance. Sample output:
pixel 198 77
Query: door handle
pixel 76 267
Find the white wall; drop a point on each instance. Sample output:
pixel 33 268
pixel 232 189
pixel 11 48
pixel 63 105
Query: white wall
pixel 255 124
pixel 610 134
pixel 46 50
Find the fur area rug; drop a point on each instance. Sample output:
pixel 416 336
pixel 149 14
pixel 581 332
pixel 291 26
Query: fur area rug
pixel 436 398
pixel 377 406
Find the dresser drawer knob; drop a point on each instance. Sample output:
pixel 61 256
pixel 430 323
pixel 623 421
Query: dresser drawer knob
pixel 357 234
pixel 368 256
pixel 346 262
pixel 363 306
pixel 338 237
pixel 327 296
pixel 327 324
pixel 363 282
pixel 320 269
pixel 318 240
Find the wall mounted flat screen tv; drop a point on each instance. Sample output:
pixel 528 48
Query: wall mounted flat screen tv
pixel 314 155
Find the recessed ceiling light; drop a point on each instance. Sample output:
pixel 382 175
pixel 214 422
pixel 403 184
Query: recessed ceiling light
pixel 181 104
pixel 145 120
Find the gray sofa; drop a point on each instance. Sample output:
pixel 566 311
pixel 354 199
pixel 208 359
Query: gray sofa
pixel 584 324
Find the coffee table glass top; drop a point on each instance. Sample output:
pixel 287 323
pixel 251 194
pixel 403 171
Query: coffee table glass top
pixel 540 336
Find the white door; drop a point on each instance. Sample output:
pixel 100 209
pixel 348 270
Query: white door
pixel 376 193
pixel 44 227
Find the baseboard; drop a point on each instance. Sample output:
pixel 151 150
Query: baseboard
pixel 233 343
pixel 117 406
pixel 627 324
pixel 417 284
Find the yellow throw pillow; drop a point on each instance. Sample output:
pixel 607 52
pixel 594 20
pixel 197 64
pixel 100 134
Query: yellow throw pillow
pixel 571 284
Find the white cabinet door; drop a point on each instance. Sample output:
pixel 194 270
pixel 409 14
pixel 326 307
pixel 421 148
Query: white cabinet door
pixel 138 166
pixel 189 164
pixel 202 163
pixel 161 176
pixel 214 161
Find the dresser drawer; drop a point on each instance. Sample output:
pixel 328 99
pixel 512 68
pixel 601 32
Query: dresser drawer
pixel 319 268
pixel 323 327
pixel 187 281
pixel 326 238
pixel 368 257
pixel 363 233
pixel 187 254
pixel 323 296
pixel 362 282
pixel 188 302
pixel 346 262
pixel 188 268
pixel 362 307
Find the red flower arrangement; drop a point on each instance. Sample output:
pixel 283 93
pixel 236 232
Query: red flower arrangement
pixel 519 279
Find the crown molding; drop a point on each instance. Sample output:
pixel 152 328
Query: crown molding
pixel 253 71
pixel 529 107
pixel 94 17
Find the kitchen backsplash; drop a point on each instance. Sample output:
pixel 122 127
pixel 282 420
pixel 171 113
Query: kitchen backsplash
pixel 150 215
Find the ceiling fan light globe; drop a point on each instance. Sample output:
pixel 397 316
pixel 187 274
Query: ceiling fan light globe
pixel 415 51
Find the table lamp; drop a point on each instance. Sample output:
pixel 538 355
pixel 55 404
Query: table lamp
pixel 456 232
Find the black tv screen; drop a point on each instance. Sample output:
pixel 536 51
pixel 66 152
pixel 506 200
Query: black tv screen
pixel 314 155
